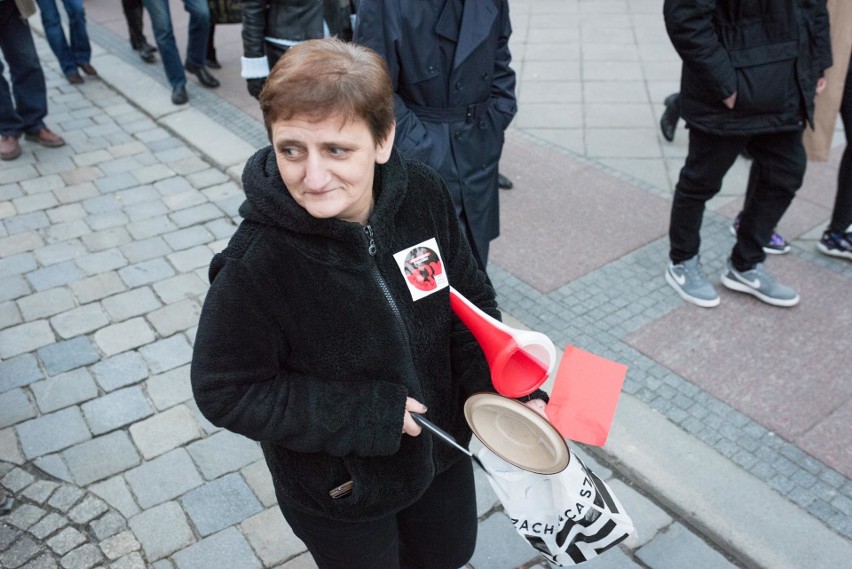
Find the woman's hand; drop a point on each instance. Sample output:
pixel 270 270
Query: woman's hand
pixel 538 406
pixel 409 426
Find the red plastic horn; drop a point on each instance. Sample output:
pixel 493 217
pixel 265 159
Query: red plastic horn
pixel 520 360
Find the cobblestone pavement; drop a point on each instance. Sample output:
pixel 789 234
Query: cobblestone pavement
pixel 104 246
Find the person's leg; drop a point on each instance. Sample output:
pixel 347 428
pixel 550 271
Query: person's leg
pixel 841 215
pixel 56 36
pixel 133 15
pixel 81 49
pixel 23 108
pixel 439 530
pixel 708 160
pixel 346 545
pixel 211 60
pixel 776 245
pixel 161 21
pixel 199 29
pixel 782 160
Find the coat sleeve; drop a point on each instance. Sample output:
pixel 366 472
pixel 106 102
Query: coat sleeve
pixel 378 28
pixel 690 27
pixel 254 26
pixel 239 384
pixel 822 36
pixel 503 87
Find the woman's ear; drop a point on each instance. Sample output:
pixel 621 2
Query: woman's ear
pixel 383 150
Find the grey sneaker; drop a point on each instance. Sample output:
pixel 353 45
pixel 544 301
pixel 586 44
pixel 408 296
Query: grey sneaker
pixel 760 283
pixel 689 282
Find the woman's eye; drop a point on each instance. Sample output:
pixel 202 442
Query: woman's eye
pixel 287 152
pixel 336 151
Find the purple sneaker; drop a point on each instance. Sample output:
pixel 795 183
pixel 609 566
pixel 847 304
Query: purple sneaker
pixel 836 244
pixel 777 245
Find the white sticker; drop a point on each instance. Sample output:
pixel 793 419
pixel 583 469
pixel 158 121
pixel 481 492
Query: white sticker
pixel 422 268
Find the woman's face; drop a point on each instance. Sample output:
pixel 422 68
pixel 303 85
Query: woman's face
pixel 328 166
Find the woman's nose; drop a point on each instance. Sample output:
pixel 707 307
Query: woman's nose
pixel 316 173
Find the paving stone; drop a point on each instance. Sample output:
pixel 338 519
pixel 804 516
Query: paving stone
pixel 17 479
pixel 678 547
pixel 162 530
pixel 27 222
pixel 15 407
pixel 260 481
pixel 137 195
pixel 53 432
pixel 172 186
pixel 97 287
pixel 180 287
pixel 131 561
pixel 84 557
pixel 25 338
pixel 223 191
pixel 68 355
pixel 101 262
pixel 24 516
pixel 220 503
pixel 21 551
pixel 225 549
pixel 13 287
pixel 49 525
pixel 106 239
pixel 108 525
pixel 20 243
pixel 164 478
pixel 189 237
pixel 76 192
pixel 66 540
pixel 40 490
pixel 146 272
pixel 131 303
pixel 114 492
pixel 101 457
pixel 54 466
pixel 81 320
pixel 224 452
pixel 34 202
pixel 119 545
pixel 153 173
pixel 64 389
pixel 9 450
pixel 8 536
pixel 271 537
pixel 66 213
pixel 145 249
pixel 116 409
pixel 170 388
pixel 151 227
pixel 46 303
pixel 116 182
pixel 146 210
pixel 183 200
pixel 43 561
pixel 59 252
pixel 221 228
pixel 108 220
pixel 9 315
pixel 42 184
pixel 55 275
pixel 167 354
pixel 195 215
pixel 498 545
pixel 18 264
pixel 231 206
pixel 120 371
pixel 175 317
pixel 647 517
pixel 19 371
pixel 124 336
pixel 165 431
pixel 185 261
pixel 64 231
pixel 90 508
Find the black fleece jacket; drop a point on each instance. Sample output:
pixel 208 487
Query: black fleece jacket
pixel 309 342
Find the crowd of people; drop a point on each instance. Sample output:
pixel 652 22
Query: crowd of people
pixel 386 121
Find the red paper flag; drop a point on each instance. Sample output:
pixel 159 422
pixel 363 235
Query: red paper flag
pixel 585 393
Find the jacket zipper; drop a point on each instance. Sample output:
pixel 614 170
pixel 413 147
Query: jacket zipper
pixel 412 379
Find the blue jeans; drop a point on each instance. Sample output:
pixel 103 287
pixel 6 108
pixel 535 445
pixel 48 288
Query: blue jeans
pixel 25 112
pixel 80 51
pixel 199 28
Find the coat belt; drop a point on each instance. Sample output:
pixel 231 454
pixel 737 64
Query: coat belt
pixel 450 114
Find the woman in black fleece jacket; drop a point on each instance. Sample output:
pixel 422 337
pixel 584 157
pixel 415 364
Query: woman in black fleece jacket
pixel 315 341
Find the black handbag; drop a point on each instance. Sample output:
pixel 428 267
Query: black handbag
pixel 226 11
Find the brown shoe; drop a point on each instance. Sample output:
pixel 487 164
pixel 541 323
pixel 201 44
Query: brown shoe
pixel 74 78
pixel 88 69
pixel 46 137
pixel 9 147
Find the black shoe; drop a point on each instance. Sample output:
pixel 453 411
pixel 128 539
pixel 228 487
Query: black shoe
pixel 179 96
pixel 504 183
pixel 146 52
pixel 203 75
pixel 668 122
pixel 213 63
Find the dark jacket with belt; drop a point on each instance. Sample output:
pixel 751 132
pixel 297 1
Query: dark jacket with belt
pixel 309 342
pixel 295 20
pixel 770 52
pixel 450 114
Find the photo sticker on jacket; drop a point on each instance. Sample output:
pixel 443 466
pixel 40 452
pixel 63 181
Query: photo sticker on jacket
pixel 422 269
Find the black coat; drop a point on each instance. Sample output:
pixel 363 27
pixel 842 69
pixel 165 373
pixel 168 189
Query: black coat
pixel 429 91
pixel 309 343
pixel 770 52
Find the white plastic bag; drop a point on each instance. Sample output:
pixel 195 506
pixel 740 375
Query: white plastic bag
pixel 569 517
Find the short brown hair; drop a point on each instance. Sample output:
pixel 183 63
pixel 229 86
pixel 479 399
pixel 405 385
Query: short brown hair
pixel 327 77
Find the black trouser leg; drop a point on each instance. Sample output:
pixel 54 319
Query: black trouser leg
pixel 841 215
pixel 211 48
pixel 133 14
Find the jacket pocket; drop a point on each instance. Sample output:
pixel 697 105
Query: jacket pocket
pixel 766 78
